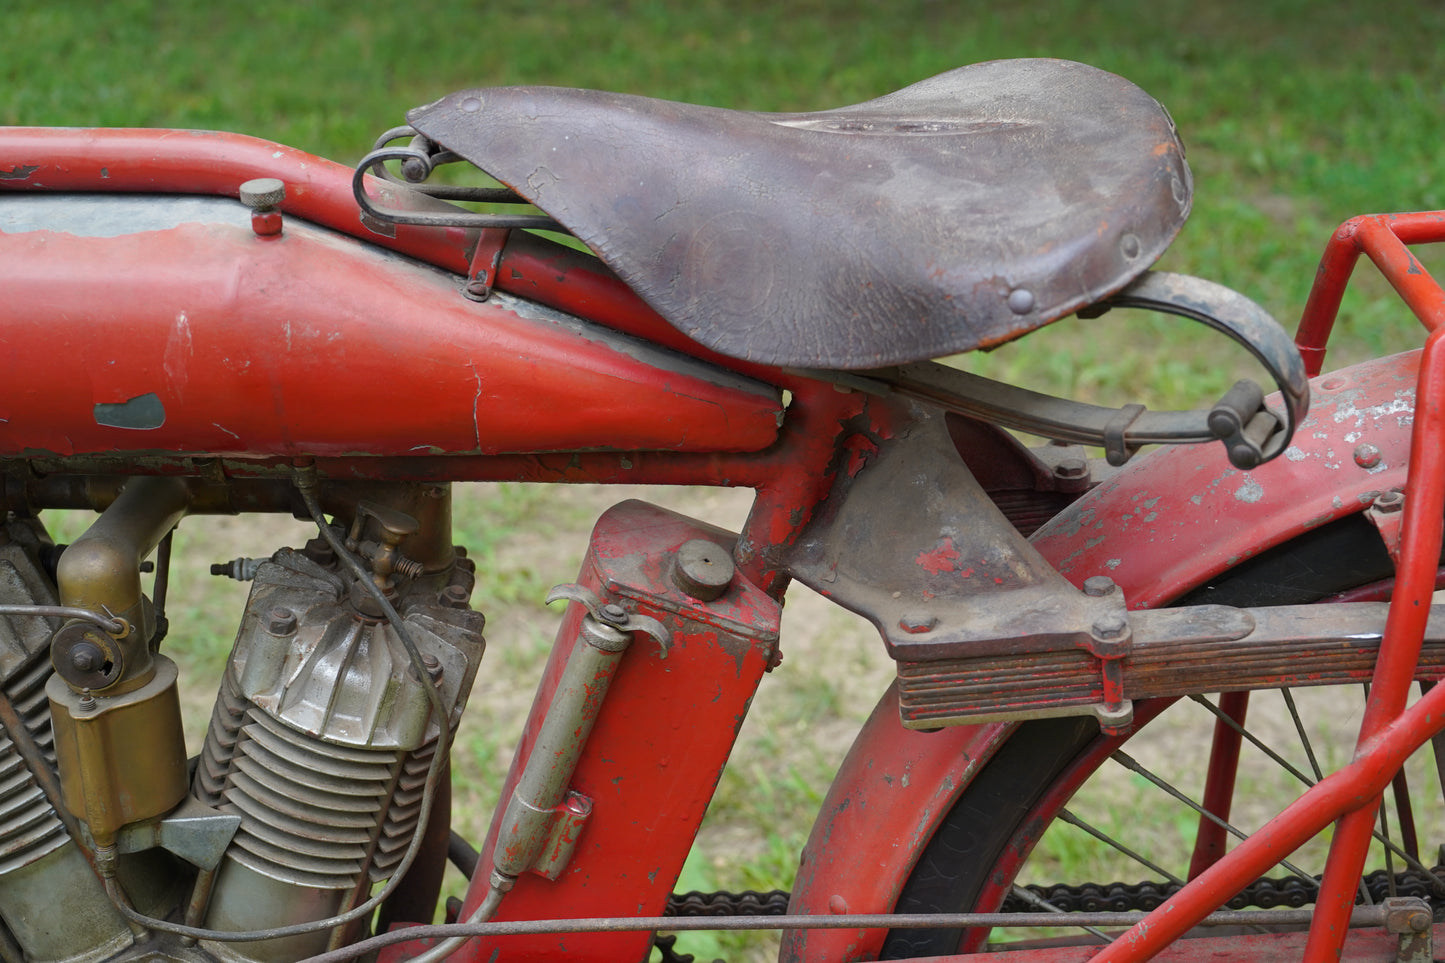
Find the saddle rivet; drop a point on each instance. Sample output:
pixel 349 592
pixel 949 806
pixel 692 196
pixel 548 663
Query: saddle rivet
pixel 1021 301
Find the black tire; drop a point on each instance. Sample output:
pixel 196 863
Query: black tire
pixel 957 864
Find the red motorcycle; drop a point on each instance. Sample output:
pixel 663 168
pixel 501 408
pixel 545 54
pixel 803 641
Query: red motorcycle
pixel 759 309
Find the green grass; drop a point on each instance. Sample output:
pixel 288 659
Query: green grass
pixel 1297 115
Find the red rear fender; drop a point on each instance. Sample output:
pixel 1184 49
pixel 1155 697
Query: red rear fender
pixel 1165 524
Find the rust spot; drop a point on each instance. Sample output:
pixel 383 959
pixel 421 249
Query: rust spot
pixel 19 172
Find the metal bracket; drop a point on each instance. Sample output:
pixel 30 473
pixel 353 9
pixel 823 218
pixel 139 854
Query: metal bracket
pixel 486 260
pixel 568 818
pixel 612 614
pixel 195 832
pixel 1387 514
pixel 1410 918
pixel 1252 434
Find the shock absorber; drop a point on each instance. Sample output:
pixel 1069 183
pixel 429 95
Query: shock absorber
pixel 322 735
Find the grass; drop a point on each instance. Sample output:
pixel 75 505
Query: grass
pixel 1297 115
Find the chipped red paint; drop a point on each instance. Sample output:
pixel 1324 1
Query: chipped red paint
pixel 883 806
pixel 210 162
pixel 309 344
pixel 1166 523
pixel 1178 516
pixel 659 744
pixel 942 559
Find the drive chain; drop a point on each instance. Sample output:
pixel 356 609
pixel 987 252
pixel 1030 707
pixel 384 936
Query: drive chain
pixel 1287 891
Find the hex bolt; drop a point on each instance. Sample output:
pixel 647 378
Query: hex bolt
pixel 453 597
pixel 1098 586
pixel 1390 501
pixel 916 623
pixel 1367 455
pixel 1071 468
pixel 86 657
pixel 282 621
pixel 1111 626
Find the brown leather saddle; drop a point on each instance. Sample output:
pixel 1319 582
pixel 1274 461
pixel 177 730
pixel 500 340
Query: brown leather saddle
pixel 957 213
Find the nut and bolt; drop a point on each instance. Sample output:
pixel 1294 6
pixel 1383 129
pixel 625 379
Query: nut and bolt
pixel 916 623
pixel 1390 501
pixel 1098 586
pixel 614 613
pixel 281 621
pixel 433 666
pixel 477 289
pixel 1405 915
pixel 1110 627
pixel 1072 472
pixel 87 657
pixel 1367 455
pixel 454 597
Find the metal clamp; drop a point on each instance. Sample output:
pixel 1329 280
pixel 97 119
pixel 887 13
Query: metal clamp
pixel 418 160
pixel 612 614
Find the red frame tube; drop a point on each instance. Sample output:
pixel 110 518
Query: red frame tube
pixel 1388 732
pixel 1210 840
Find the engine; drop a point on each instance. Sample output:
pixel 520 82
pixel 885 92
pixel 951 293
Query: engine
pixel 306 806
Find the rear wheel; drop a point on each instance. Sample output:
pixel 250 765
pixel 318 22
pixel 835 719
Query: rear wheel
pixel 1107 812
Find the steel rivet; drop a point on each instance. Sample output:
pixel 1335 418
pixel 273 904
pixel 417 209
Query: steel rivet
pixel 1129 246
pixel 613 612
pixel 1021 301
pixel 472 104
pixel 1367 455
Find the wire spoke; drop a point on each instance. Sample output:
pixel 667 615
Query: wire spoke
pixel 1382 836
pixel 1073 820
pixel 1304 737
pixel 1134 766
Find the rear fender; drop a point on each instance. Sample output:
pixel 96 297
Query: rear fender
pixel 1166 524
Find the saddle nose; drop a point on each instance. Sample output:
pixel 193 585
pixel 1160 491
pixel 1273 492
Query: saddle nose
pixel 957 213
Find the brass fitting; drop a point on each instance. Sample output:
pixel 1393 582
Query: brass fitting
pixel 122 758
pixel 101 571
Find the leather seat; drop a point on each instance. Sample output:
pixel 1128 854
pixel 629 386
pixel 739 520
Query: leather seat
pixel 957 213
